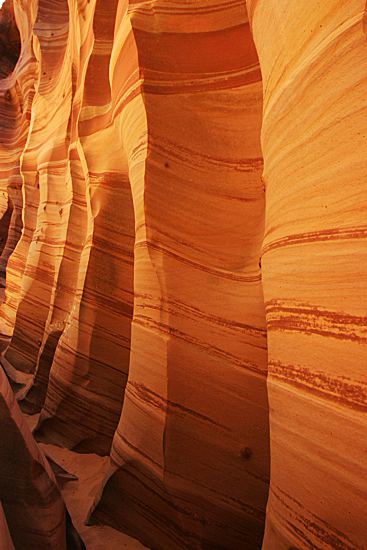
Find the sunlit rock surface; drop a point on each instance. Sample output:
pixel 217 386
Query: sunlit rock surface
pixel 189 461
pixel 70 299
pixel 313 62
pixel 157 267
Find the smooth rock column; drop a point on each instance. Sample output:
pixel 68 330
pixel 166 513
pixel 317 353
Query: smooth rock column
pixel 189 462
pixel 89 371
pixel 313 61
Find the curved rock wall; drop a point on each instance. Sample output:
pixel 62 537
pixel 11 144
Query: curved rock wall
pixel 143 230
pixel 69 292
pixel 191 449
pixel 314 269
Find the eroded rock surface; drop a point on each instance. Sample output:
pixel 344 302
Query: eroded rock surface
pixel 32 513
pixel 157 267
pixel 196 395
pixel 312 58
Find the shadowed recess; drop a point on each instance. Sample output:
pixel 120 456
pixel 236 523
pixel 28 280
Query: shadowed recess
pixel 9 40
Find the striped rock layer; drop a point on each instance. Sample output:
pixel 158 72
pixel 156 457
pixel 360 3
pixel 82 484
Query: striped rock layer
pixel 190 454
pixel 157 267
pixel 313 62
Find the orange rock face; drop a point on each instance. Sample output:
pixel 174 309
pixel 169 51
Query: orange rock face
pixel 312 58
pixel 157 267
pixel 191 448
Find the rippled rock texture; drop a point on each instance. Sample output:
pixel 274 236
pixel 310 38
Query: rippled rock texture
pixel 314 268
pixel 183 197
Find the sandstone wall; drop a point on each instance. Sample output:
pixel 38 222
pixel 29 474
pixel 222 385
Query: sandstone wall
pixel 195 405
pixel 32 513
pixel 156 267
pixel 312 57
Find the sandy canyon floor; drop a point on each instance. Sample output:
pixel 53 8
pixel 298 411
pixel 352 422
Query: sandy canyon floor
pixel 79 495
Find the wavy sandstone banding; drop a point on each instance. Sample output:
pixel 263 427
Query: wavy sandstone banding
pixel 314 266
pixel 44 170
pixel 173 325
pixel 198 312
pixel 165 98
pixel 91 361
pixel 15 94
pixel 63 286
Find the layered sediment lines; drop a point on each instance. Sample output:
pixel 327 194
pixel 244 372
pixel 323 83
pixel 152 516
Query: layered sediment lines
pixel 190 454
pixel 157 266
pixel 312 58
pixel 69 289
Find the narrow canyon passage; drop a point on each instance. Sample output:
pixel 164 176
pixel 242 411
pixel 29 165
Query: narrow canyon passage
pixel 184 230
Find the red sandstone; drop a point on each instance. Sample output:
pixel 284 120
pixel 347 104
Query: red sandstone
pixel 182 233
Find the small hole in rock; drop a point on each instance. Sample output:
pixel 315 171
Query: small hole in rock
pixel 246 453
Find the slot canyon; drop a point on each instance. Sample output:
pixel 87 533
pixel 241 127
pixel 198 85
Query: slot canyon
pixel 183 274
